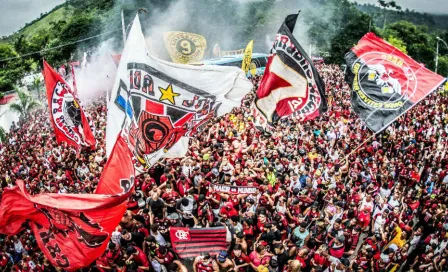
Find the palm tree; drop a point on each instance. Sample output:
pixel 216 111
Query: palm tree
pixel 25 104
pixel 36 86
pixel 2 135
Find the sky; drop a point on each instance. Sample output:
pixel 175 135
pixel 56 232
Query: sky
pixel 430 6
pixel 16 13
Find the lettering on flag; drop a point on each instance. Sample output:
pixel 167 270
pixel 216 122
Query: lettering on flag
pixel 157 103
pixel 385 82
pixel 184 47
pixel 291 86
pixel 192 242
pixel 182 234
pixel 234 189
pixel 66 112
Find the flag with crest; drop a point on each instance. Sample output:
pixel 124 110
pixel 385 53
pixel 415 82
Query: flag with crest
pixel 158 103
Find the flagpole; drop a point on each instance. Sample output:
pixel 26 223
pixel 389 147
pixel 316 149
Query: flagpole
pixel 123 27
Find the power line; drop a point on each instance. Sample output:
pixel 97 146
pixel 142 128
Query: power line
pixel 56 47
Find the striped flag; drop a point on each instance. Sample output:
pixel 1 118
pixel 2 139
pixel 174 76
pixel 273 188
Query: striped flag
pixel 191 242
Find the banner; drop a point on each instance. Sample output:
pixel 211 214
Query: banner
pixel 247 56
pixel 190 242
pixel 234 189
pixel 185 47
pixel 72 230
pixel 158 102
pixel 66 112
pixel 385 82
pixel 291 85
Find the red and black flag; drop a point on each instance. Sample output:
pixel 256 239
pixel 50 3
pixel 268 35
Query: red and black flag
pixel 385 82
pixel 191 242
pixel 291 85
pixel 73 230
pixel 66 112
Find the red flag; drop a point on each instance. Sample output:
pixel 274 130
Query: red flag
pixel 66 113
pixel 191 242
pixel 291 85
pixel 386 82
pixel 72 230
pixel 119 162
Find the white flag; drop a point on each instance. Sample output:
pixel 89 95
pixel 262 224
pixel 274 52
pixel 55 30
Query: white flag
pixel 157 103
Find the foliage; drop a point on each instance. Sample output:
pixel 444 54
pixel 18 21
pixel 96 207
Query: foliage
pixel 25 104
pixel 36 86
pixel 2 135
pixel 10 70
pixel 398 43
pixel 333 26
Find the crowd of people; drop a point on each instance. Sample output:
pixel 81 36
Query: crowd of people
pixel 331 195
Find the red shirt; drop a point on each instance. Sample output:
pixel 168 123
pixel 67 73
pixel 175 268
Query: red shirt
pixel 228 211
pixel 140 258
pixel 167 258
pixel 147 185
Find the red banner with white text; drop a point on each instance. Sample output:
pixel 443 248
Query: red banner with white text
pixel 66 113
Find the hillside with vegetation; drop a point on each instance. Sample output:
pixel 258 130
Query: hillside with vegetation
pixel 332 27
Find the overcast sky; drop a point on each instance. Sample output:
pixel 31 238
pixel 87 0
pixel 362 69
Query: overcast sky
pixel 430 6
pixel 16 13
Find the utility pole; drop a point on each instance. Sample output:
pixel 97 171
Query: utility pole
pixel 437 51
pixel 437 54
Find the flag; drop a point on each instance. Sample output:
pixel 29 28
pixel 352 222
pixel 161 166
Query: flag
pixel 191 242
pixel 185 47
pixel 73 230
pixel 66 112
pixel 291 85
pixel 119 163
pixel 247 56
pixel 385 82
pixel 159 102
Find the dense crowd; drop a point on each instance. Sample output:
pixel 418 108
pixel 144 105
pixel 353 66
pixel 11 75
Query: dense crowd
pixel 331 196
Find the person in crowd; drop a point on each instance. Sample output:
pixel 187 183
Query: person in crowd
pixel 328 195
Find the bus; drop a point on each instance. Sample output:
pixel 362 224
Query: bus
pixel 258 63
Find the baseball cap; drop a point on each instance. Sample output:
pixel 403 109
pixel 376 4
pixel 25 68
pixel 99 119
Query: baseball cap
pixel 222 256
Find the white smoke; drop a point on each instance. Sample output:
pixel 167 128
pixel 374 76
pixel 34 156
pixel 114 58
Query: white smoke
pixel 98 75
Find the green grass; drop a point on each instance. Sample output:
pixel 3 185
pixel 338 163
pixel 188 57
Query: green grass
pixel 44 23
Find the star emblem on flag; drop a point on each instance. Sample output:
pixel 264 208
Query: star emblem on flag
pixel 168 94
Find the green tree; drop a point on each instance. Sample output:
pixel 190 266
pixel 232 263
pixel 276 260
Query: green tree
pixel 25 104
pixel 388 5
pixel 398 43
pixel 11 68
pixel 36 86
pixel 2 134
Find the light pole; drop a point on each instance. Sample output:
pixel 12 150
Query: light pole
pixel 437 51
